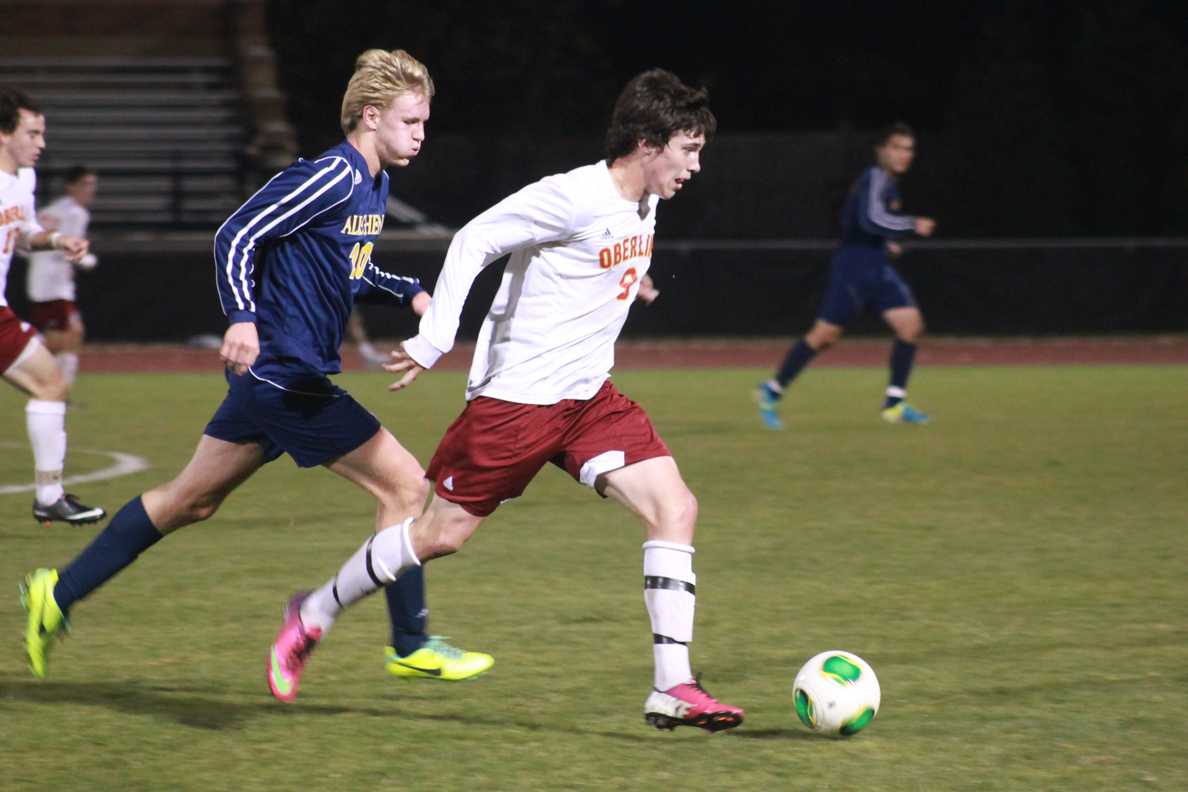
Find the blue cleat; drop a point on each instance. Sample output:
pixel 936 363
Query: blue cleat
pixel 904 413
pixel 769 402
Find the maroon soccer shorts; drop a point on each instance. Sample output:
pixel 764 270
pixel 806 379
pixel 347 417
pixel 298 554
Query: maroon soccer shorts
pixel 15 335
pixel 52 315
pixel 494 448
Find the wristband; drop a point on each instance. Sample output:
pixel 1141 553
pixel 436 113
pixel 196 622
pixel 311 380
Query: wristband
pixel 53 239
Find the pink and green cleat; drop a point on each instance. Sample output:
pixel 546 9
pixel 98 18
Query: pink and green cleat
pixel 286 659
pixel 689 704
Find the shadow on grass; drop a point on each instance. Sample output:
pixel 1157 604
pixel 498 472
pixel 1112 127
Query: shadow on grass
pixel 793 733
pixel 208 708
pixel 173 703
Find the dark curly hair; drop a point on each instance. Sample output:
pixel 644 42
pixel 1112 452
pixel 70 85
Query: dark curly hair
pixel 653 107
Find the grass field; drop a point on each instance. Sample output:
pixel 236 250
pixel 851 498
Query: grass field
pixel 1016 573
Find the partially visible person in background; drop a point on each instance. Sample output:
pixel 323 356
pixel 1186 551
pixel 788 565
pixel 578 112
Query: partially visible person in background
pixel 24 360
pixel 861 278
pixel 53 305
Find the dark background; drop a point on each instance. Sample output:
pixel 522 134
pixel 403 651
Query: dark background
pixel 1034 119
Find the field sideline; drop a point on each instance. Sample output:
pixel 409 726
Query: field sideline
pixel 1014 573
pixel 732 352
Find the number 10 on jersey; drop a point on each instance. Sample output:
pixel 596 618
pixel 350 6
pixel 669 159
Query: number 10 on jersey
pixel 360 258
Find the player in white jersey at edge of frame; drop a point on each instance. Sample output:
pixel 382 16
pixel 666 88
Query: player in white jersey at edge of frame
pixel 539 388
pixel 24 360
pixel 53 307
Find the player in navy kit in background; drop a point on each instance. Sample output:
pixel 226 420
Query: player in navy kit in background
pixel 861 277
pixel 290 263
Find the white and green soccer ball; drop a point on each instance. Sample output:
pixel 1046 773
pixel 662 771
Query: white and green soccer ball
pixel 836 694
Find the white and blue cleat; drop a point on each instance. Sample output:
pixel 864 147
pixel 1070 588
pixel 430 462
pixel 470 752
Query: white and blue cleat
pixel 769 402
pixel 904 413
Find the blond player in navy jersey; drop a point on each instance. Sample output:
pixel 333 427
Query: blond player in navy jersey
pixel 539 389
pixel 25 361
pixel 289 265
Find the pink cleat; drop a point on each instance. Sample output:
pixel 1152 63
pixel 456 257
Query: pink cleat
pixel 689 704
pixel 293 644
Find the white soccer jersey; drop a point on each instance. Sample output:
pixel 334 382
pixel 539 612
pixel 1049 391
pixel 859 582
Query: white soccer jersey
pixel 579 250
pixel 51 276
pixel 18 218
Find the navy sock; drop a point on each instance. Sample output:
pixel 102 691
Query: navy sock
pixel 129 534
pixel 903 355
pixel 798 357
pixel 406 609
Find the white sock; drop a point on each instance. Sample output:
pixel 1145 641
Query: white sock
pixel 669 593
pixel 46 422
pixel 68 362
pixel 377 563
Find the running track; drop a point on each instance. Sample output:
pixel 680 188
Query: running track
pixel 734 353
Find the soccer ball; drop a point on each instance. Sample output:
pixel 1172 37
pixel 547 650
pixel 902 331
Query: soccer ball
pixel 836 693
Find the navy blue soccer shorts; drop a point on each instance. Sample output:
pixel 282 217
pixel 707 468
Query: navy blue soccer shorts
pixel 862 279
pixel 316 422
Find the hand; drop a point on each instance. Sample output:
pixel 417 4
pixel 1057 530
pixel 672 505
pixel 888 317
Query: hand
pixel 648 292
pixel 241 347
pixel 894 249
pixel 74 247
pixel 925 226
pixel 420 303
pixel 401 363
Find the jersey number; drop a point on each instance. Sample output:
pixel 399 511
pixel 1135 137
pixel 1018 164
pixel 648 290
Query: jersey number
pixel 360 258
pixel 627 281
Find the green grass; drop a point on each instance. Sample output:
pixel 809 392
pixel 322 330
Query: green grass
pixel 1015 573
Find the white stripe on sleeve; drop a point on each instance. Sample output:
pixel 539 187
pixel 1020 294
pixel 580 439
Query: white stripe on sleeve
pixel 877 212
pixel 242 268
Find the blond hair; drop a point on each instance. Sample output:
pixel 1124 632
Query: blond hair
pixel 379 77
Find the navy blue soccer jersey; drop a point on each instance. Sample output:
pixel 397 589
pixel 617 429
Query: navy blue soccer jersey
pixel 871 212
pixel 296 256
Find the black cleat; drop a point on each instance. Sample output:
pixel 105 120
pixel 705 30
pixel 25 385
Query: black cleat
pixel 68 510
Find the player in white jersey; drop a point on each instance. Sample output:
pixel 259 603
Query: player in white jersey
pixel 539 388
pixel 24 360
pixel 50 283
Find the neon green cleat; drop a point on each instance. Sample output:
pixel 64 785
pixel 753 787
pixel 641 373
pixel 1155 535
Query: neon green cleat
pixel 46 620
pixel 437 660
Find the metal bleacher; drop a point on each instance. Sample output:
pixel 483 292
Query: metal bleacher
pixel 166 134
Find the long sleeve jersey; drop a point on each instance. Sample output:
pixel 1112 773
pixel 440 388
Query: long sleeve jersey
pixel 871 213
pixel 296 256
pixel 18 218
pixel 578 252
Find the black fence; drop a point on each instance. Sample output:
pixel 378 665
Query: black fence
pixel 720 288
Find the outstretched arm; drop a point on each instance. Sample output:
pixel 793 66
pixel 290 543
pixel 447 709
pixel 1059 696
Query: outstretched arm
pixel 539 213
pixel 74 247
pixel 380 285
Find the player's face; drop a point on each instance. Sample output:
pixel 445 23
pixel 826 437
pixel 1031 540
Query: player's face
pixel 667 169
pixel 400 129
pixel 25 143
pixel 84 189
pixel 897 153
